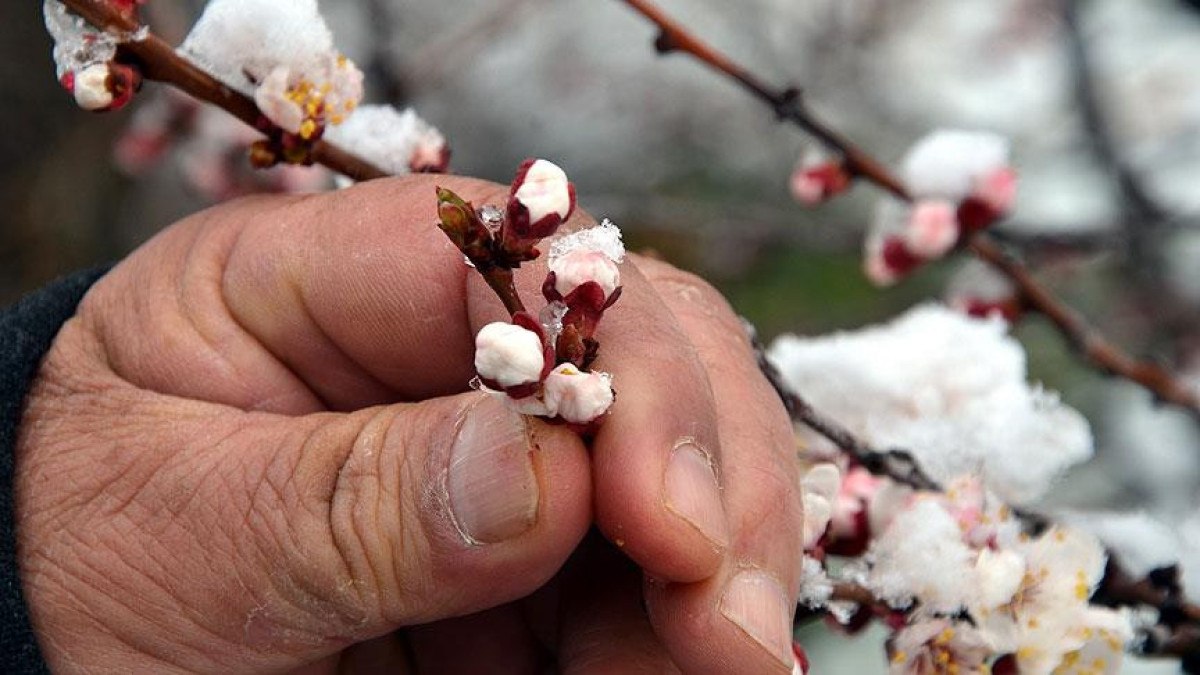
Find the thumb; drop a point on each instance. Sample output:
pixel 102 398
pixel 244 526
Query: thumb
pixel 261 541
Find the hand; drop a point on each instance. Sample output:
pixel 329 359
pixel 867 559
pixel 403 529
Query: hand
pixel 214 473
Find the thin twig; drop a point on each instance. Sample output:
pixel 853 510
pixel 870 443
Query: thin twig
pixel 159 62
pixel 788 105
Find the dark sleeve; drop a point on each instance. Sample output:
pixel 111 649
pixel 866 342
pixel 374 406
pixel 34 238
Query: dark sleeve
pixel 26 331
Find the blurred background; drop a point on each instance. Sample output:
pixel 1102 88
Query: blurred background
pixel 1100 97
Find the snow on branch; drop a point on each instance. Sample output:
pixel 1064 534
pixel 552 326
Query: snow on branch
pixel 788 105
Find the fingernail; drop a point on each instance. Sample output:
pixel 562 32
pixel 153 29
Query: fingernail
pixel 691 492
pixel 755 602
pixel 492 487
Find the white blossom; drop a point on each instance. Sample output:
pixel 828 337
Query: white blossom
pixel 938 646
pixel 1048 620
pixel 508 354
pixel 949 388
pixel 544 190
pixel 577 396
pixel 282 54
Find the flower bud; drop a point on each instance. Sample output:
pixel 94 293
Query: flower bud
pixel 547 198
pixel 890 261
pixel 508 355
pixel 992 197
pixel 932 229
pixel 90 87
pixel 577 396
pixel 814 183
pixel 580 266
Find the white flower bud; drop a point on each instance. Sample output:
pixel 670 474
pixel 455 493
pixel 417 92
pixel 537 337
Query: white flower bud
pixel 581 266
pixel 577 396
pixel 508 354
pixel 544 190
pixel 91 88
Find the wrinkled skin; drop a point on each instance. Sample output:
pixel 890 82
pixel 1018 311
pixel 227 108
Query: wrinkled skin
pixel 234 459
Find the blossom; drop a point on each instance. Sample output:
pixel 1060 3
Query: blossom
pixel 577 396
pixel 301 102
pixel 938 647
pixel 282 54
pixel 508 355
pixel 1047 622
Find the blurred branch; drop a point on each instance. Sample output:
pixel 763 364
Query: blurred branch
pixel 159 62
pixel 1142 213
pixel 469 37
pixel 787 104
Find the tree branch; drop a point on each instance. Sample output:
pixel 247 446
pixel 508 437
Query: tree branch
pixel 159 62
pixel 787 104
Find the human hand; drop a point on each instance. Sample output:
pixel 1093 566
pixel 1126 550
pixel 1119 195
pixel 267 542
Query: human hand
pixel 214 474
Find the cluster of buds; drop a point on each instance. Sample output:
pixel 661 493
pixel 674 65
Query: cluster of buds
pixel 541 364
pixel 961 585
pixel 960 182
pixel 88 64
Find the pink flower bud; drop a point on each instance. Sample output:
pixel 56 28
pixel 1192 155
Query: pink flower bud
pixel 577 396
pixel 932 229
pixel 580 266
pixel 992 198
pixel 814 183
pixel 508 354
pixel 890 261
pixel 90 87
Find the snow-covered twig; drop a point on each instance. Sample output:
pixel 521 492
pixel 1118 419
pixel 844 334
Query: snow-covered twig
pixel 789 106
pixel 897 464
pixel 159 61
